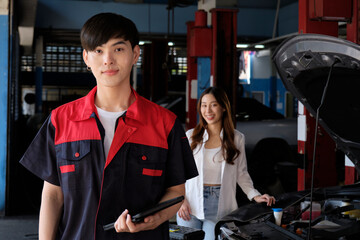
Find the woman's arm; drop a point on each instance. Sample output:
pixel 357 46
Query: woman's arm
pixel 52 201
pixel 243 177
pixel 245 180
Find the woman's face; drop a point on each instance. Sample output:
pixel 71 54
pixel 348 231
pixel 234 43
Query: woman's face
pixel 211 110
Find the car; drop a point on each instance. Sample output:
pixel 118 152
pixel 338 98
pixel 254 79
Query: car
pixel 270 146
pixel 323 73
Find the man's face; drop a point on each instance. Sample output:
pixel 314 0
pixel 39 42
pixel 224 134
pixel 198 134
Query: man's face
pixel 111 63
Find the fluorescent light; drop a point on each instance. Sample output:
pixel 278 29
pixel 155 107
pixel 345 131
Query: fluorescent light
pixel 144 42
pixel 171 44
pixel 259 46
pixel 239 45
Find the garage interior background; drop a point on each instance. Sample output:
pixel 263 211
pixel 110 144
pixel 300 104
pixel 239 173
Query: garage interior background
pixel 43 67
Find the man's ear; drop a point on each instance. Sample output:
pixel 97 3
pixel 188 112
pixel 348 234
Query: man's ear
pixel 136 52
pixel 85 56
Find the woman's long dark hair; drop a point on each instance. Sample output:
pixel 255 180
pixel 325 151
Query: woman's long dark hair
pixel 230 152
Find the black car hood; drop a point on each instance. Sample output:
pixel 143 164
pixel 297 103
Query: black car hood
pixel 304 62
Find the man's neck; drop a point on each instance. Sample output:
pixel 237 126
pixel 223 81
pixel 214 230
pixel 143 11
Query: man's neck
pixel 114 99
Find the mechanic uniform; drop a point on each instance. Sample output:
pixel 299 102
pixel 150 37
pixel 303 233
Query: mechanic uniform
pixel 149 153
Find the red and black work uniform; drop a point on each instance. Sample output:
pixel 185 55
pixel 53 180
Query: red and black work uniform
pixel 149 154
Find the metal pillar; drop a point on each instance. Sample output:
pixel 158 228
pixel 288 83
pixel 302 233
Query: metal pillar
pixel 199 45
pixel 352 34
pixel 191 82
pixel 224 66
pixel 155 77
pixel 215 66
pixel 39 74
pixel 4 78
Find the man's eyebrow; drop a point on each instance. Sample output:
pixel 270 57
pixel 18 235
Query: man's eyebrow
pixel 119 42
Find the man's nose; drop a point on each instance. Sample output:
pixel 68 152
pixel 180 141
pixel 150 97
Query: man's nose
pixel 108 59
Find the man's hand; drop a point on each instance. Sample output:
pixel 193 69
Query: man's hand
pixel 124 223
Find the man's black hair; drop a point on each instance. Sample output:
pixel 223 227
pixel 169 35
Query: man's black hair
pixel 102 27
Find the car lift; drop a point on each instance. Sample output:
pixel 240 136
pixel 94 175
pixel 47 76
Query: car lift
pixel 322 17
pixel 208 65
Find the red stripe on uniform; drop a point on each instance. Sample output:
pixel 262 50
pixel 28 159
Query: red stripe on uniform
pixel 67 168
pixel 152 172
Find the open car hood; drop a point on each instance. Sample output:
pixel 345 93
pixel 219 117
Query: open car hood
pixel 304 62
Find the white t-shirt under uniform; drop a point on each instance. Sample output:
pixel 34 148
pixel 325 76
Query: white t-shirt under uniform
pixel 108 121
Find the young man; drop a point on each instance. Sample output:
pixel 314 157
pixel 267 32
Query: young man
pixel 112 153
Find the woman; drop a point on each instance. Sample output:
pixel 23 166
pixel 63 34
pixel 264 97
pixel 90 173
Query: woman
pixel 219 152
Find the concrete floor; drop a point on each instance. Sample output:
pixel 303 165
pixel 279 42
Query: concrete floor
pixel 24 227
pixel 19 227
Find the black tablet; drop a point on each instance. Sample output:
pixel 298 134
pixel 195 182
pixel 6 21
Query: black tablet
pixel 158 207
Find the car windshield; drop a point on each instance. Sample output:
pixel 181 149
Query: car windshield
pixel 249 109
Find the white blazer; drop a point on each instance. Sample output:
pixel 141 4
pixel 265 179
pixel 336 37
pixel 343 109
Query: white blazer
pixel 230 175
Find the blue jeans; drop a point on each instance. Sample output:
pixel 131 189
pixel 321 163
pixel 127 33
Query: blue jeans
pixel 211 201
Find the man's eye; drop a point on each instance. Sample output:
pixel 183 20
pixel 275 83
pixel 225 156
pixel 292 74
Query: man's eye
pixel 97 51
pixel 119 49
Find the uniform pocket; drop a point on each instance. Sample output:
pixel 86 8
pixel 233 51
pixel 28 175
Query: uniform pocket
pixel 147 161
pixel 74 163
pixel 146 166
pixel 73 150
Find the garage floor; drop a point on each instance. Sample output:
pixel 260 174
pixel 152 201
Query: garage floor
pixel 24 227
pixel 19 227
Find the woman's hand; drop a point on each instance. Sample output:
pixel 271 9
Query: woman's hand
pixel 270 200
pixel 185 211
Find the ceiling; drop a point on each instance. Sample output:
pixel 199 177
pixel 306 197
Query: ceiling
pixel 263 3
pixel 28 10
pixel 270 4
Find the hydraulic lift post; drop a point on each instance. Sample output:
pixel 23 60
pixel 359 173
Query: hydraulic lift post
pixel 209 65
pixel 318 16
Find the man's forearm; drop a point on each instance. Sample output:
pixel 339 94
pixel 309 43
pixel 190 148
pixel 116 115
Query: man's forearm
pixel 50 211
pixel 171 193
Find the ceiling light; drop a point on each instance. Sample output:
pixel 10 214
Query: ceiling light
pixel 259 46
pixel 240 45
pixel 144 42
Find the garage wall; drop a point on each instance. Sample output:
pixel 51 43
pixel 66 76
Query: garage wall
pixel 264 80
pixel 288 19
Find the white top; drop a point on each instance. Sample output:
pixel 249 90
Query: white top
pixel 108 121
pixel 212 166
pixel 230 175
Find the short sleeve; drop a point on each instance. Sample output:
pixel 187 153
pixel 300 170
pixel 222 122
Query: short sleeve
pixel 40 157
pixel 180 164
